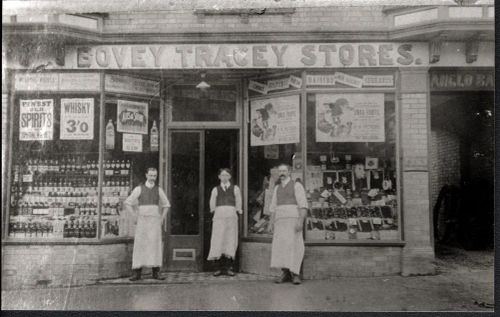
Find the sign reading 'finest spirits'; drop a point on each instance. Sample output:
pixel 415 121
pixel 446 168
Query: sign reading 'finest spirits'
pixel 36 120
pixel 280 55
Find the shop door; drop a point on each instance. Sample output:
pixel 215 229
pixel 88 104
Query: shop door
pixel 195 157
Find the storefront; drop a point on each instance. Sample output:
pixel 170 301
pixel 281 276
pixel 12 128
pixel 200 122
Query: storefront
pixel 351 119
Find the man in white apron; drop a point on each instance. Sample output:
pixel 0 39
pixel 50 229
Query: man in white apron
pixel 151 206
pixel 225 203
pixel 288 209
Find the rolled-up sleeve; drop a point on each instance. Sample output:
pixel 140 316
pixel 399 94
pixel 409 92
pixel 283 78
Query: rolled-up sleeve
pixel 273 204
pixel 133 199
pixel 237 196
pixel 164 203
pixel 213 199
pixel 300 195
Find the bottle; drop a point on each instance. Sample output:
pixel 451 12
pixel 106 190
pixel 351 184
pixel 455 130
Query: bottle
pixel 154 138
pixel 110 136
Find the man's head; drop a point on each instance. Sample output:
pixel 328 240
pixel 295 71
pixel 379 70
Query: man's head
pixel 224 175
pixel 284 171
pixel 151 174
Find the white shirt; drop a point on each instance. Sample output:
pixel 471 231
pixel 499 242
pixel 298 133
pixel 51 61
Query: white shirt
pixel 237 196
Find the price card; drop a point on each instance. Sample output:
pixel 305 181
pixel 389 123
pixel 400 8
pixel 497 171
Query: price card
pixel 27 178
pixel 77 119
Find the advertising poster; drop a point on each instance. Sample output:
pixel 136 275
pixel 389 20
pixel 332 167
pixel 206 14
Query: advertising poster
pixel 132 142
pixel 275 121
pixel 77 119
pixel 132 117
pixel 36 120
pixel 272 152
pixel 350 118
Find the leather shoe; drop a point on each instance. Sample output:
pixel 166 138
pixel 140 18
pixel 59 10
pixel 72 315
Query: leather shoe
pixel 285 277
pixel 217 273
pixel 156 274
pixel 296 279
pixel 136 276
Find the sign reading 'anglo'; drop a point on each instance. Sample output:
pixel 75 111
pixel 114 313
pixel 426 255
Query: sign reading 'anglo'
pixel 247 56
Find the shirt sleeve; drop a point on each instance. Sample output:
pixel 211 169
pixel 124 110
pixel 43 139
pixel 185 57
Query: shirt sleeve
pixel 133 199
pixel 273 204
pixel 213 199
pixel 237 196
pixel 164 203
pixel 300 195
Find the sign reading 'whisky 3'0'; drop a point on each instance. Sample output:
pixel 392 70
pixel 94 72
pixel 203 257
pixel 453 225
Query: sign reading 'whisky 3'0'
pixel 292 55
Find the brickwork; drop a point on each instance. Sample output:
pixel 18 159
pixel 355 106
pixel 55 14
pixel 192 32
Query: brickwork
pixel 25 266
pixel 304 19
pixel 444 161
pixel 328 261
pixel 418 254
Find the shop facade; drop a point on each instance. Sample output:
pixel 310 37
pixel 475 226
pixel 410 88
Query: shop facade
pixel 351 118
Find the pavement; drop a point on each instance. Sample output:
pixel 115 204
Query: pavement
pixel 464 283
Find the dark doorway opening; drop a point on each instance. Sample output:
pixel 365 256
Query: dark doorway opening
pixel 463 168
pixel 221 151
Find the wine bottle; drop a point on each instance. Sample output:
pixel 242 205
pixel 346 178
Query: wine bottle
pixel 110 136
pixel 154 138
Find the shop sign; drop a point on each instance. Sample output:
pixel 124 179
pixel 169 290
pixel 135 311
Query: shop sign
pixel 77 119
pixel 132 117
pixel 216 94
pixel 231 56
pixel 36 120
pixel 131 85
pixel 320 80
pixel 348 80
pixel 132 142
pixel 275 120
pixel 37 81
pixel 350 118
pixel 258 87
pixel 460 80
pixel 295 81
pixel 378 80
pixel 277 84
pixel 79 82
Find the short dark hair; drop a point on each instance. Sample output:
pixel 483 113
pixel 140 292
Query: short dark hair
pixel 227 170
pixel 286 165
pixel 151 169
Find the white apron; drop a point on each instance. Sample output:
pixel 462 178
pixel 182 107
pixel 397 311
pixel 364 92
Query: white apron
pixel 288 245
pixel 224 233
pixel 148 245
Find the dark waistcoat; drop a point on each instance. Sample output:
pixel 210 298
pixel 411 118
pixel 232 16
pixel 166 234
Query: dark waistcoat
pixel 286 195
pixel 225 198
pixel 149 196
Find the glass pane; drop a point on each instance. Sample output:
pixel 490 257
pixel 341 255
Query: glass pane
pixel 351 167
pixel 125 166
pixel 268 146
pixel 185 180
pixel 55 167
pixel 218 103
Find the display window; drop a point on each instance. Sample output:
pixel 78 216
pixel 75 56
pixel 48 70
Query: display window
pixel 131 146
pixel 273 138
pixel 54 182
pixel 350 180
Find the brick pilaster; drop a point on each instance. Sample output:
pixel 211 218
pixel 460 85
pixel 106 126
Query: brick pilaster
pixel 418 253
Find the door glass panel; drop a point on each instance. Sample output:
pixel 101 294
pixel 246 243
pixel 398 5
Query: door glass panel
pixel 185 180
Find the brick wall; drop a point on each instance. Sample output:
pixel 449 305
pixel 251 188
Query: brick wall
pixel 304 19
pixel 418 253
pixel 327 261
pixel 26 266
pixel 444 161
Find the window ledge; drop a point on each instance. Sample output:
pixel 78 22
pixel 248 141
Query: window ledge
pixel 19 241
pixel 358 243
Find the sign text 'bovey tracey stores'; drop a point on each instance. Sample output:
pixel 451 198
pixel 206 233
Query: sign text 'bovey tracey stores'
pixel 281 55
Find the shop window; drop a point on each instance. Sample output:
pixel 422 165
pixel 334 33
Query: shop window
pixel 55 146
pixel 131 146
pixel 217 103
pixel 350 175
pixel 273 138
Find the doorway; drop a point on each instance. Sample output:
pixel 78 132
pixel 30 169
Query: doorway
pixel 195 157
